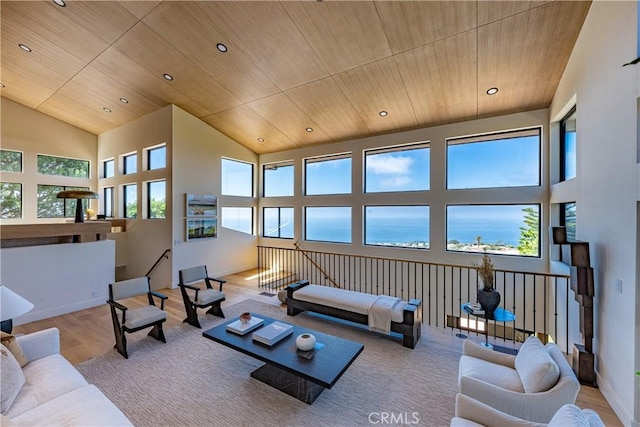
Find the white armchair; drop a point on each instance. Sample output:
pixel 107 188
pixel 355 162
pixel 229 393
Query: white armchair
pixel 532 386
pixel 471 413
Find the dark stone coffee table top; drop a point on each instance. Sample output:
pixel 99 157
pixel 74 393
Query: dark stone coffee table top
pixel 325 368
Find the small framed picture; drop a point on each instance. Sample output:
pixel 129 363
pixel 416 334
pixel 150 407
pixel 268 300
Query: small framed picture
pixel 204 228
pixel 202 205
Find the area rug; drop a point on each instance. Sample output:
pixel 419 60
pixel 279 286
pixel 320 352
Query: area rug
pixel 193 381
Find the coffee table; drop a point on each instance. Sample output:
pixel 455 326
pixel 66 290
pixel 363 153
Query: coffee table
pixel 301 378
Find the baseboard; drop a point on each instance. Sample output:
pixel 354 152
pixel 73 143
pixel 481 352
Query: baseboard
pixel 57 311
pixel 625 417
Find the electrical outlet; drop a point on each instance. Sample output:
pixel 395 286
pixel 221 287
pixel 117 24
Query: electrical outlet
pixel 94 294
pixel 619 286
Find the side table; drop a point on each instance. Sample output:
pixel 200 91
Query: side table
pixel 500 315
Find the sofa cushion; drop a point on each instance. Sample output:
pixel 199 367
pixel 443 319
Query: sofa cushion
pixel 11 379
pixel 568 416
pixel 46 379
pixel 85 406
pixel 12 345
pixel 537 369
pixel 491 373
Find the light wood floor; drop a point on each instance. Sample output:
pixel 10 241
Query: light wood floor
pixel 88 333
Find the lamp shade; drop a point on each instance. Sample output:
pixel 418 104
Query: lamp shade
pixel 11 304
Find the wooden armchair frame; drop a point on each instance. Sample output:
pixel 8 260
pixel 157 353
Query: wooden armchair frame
pixel 191 295
pixel 157 316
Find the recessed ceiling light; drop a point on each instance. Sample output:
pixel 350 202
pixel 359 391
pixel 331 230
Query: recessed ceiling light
pixel 107 110
pixel 492 91
pixel 25 47
pixel 309 129
pixel 167 76
pixel 60 3
pixel 124 100
pixel 260 139
pixel 221 47
pixel 383 113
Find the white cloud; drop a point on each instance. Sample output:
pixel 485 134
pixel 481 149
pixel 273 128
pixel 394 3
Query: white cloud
pixel 398 181
pixel 389 165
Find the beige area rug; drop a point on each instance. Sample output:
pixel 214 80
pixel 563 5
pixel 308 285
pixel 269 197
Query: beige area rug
pixel 193 381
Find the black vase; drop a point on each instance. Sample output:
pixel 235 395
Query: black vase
pixel 489 301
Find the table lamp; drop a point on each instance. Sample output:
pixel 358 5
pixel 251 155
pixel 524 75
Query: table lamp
pixel 78 195
pixel 11 305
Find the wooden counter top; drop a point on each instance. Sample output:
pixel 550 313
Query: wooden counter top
pixel 19 235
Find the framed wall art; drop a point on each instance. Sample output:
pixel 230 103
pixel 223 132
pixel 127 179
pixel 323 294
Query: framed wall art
pixel 202 216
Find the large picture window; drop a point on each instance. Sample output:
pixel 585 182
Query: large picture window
pixel 499 229
pixel 397 226
pixel 156 199
pixel 130 200
pixel 49 206
pixel 277 222
pixel 508 159
pixel 328 175
pixel 568 145
pixel 237 178
pixel 10 200
pixel 278 179
pixel 10 161
pixel 403 168
pixel 238 219
pixel 328 224
pixel 62 166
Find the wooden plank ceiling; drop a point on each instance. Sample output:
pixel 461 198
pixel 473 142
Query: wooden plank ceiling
pixel 295 73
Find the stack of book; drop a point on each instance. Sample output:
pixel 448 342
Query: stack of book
pixel 474 308
pixel 240 328
pixel 273 333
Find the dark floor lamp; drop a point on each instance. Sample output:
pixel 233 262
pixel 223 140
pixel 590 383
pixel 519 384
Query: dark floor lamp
pixel 78 195
pixel 11 305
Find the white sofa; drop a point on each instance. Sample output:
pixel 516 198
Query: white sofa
pixel 54 392
pixel 533 385
pixel 472 413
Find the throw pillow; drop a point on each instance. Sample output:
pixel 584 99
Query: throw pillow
pixel 12 345
pixel 11 379
pixel 568 415
pixel 536 368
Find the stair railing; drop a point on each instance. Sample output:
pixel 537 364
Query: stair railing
pixel 326 276
pixel 164 255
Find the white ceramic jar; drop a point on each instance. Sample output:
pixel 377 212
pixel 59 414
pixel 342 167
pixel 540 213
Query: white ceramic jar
pixel 305 342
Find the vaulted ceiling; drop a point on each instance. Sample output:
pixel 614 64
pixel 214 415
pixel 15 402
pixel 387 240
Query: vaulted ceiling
pixel 295 73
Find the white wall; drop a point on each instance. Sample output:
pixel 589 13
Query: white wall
pixel 606 187
pixel 146 239
pixel 197 152
pixel 59 279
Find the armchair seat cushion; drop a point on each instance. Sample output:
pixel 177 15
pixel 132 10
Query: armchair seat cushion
pixel 207 296
pixel 492 373
pixel 536 368
pixel 144 316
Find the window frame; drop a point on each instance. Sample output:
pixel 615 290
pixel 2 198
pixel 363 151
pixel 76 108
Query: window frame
pixel 270 166
pixel 327 158
pixel 108 201
pixel 223 180
pixel 68 205
pixel 21 213
pixel 125 157
pixel 112 162
pixel 391 149
pixel 279 208
pixel 148 199
pixel 563 144
pixel 88 164
pixel 306 224
pixel 395 246
pixel 21 153
pixel 251 223
pixel 149 151
pixel 124 200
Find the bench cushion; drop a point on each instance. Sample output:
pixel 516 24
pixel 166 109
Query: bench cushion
pixel 353 301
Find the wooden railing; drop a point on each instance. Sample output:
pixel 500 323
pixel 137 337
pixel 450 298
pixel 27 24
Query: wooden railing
pixel 541 302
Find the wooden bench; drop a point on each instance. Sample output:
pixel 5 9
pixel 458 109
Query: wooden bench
pixel 410 327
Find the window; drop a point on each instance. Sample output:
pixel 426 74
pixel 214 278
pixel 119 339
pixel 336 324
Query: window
pixel 130 164
pixel 278 179
pixel 568 146
pixel 157 158
pixel 107 200
pixel 130 200
pixel 10 200
pixel 498 229
pixel 568 219
pixel 397 169
pixel 62 166
pixel 328 224
pixel 10 161
pixel 328 175
pixel 398 226
pixel 237 178
pixel 509 159
pixel 239 219
pixel 49 206
pixel 108 168
pixel 156 199
pixel 277 222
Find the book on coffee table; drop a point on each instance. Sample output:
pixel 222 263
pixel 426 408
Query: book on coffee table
pixel 273 333
pixel 240 328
